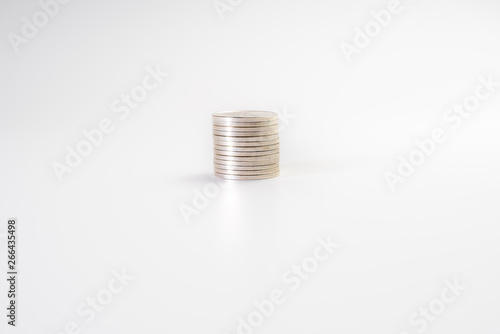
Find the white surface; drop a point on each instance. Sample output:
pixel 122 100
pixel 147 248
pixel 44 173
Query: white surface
pixel 120 207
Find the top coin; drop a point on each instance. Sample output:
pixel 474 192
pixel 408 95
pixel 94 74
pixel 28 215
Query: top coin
pixel 246 116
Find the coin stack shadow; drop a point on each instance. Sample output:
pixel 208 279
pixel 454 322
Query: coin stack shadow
pixel 246 145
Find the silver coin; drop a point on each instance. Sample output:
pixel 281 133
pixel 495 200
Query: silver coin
pixel 246 154
pixel 233 164
pixel 236 124
pixel 270 158
pixel 246 128
pixel 246 168
pixel 248 177
pixel 230 149
pixel 246 144
pixel 249 115
pixel 228 164
pixel 244 134
pixel 243 144
pixel 242 173
pixel 244 120
pixel 228 139
pixel 244 163
pixel 243 168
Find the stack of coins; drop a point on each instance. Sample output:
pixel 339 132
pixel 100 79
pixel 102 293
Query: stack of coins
pixel 246 145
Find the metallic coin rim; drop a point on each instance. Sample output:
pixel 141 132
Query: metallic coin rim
pixel 246 149
pixel 245 128
pixel 256 177
pixel 245 120
pixel 237 124
pixel 243 168
pixel 247 154
pixel 273 127
pixel 243 158
pixel 247 144
pixel 240 127
pixel 245 173
pixel 244 134
pixel 229 139
pixel 245 163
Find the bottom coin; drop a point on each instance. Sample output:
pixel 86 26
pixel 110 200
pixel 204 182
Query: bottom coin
pixel 246 172
pixel 248 177
pixel 243 168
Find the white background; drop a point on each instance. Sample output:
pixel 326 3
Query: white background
pixel 119 209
